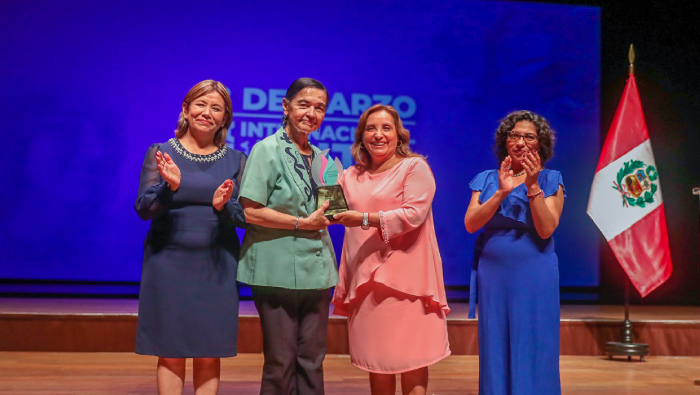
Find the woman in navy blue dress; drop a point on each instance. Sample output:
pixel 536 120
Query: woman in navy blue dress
pixel 519 206
pixel 188 303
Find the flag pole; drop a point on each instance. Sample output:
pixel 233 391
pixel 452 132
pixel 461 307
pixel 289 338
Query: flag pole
pixel 627 347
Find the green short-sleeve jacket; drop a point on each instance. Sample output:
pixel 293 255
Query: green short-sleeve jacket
pixel 275 176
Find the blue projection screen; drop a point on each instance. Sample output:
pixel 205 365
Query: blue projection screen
pixel 88 86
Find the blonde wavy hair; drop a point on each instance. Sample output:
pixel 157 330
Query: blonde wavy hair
pixel 201 89
pixel 359 152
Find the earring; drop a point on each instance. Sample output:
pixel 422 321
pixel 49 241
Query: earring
pixel 362 146
pixel 284 120
pixel 400 143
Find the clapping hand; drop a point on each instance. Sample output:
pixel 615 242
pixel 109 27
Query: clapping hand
pixel 168 170
pixel 532 165
pixel 505 176
pixel 222 195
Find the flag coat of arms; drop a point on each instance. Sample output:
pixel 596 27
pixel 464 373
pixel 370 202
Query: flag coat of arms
pixel 626 202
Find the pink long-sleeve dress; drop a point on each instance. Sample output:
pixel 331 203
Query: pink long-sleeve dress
pixel 391 286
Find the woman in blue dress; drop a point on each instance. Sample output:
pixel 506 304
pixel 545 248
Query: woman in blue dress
pixel 188 303
pixel 519 206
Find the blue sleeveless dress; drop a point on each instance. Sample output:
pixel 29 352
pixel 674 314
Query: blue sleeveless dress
pixel 518 295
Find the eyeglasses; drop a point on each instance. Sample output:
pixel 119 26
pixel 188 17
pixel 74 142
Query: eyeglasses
pixel 528 137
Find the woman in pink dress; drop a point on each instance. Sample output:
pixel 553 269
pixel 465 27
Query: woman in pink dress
pixel 391 287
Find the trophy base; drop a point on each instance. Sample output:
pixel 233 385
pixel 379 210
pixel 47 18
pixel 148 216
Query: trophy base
pixel 336 198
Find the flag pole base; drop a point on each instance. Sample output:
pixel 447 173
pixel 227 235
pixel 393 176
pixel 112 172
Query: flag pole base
pixel 627 347
pixel 628 350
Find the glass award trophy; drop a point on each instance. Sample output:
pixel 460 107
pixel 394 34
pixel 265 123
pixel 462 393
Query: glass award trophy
pixel 325 173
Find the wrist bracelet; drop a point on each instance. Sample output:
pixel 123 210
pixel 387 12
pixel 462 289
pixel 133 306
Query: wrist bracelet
pixel 365 221
pixel 296 225
pixel 383 226
pixel 534 195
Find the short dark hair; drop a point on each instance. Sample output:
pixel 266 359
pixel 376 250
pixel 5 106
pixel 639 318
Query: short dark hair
pixel 545 134
pixel 301 84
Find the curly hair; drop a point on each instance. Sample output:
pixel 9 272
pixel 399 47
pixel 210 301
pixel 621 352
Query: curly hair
pixel 545 134
pixel 403 150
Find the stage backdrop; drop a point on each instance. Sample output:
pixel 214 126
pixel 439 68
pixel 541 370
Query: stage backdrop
pixel 88 86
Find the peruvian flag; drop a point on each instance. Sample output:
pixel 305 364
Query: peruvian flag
pixel 626 202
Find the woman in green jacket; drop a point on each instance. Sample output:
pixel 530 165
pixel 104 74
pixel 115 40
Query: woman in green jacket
pixel 287 256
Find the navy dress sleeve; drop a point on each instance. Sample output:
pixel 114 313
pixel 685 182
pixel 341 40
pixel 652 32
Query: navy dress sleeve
pixel 154 194
pixel 232 213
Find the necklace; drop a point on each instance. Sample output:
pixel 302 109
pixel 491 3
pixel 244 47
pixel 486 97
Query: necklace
pixel 519 174
pixel 182 151
pixel 389 163
pixel 385 167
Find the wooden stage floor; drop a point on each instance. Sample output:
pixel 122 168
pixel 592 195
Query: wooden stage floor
pixel 129 307
pixel 109 325
pixel 34 373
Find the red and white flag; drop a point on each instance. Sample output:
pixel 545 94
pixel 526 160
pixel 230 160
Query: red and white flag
pixel 625 201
